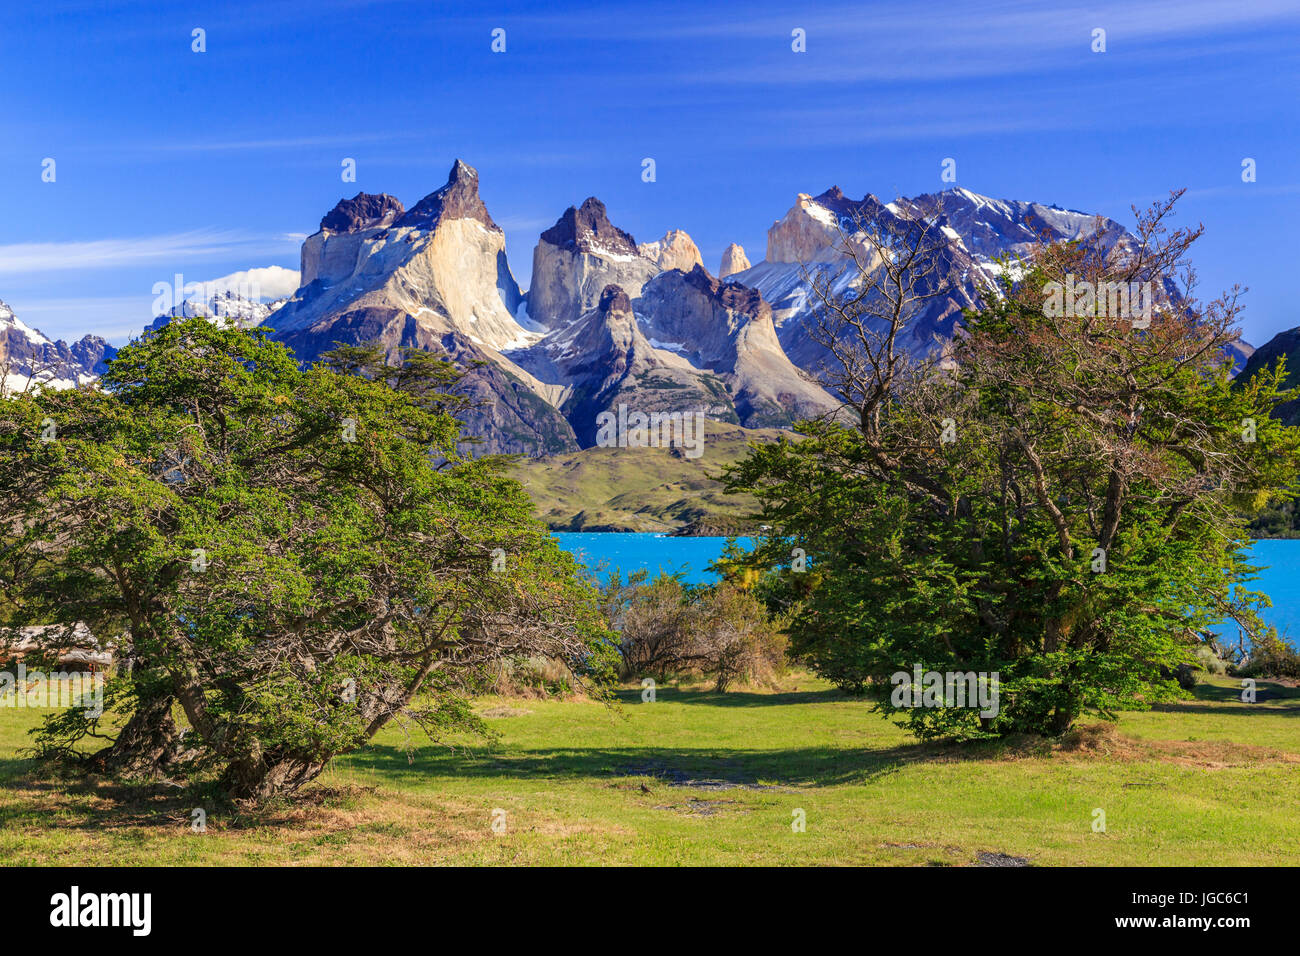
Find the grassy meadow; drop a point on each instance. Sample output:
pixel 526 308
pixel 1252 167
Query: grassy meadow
pixel 704 778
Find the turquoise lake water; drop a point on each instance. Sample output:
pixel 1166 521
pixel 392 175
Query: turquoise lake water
pixel 1280 578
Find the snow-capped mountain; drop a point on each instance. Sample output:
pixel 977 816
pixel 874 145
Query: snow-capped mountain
pixel 608 321
pixel 29 359
pixel 226 305
pixel 980 231
pixel 605 321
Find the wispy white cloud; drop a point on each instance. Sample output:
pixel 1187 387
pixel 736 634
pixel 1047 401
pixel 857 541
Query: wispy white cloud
pixel 906 41
pixel 1006 22
pixel 234 142
pixel 25 258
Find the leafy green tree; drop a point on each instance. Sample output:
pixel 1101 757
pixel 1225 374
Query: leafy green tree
pixel 1062 504
pixel 293 558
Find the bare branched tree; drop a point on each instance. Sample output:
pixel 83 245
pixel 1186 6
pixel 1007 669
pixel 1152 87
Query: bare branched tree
pixel 898 263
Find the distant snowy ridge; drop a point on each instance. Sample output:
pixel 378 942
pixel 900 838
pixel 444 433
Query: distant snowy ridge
pixel 29 359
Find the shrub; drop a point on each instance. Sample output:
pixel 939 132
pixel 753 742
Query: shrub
pixel 1210 662
pixel 1272 659
pixel 531 677
pixel 722 631
pixel 741 643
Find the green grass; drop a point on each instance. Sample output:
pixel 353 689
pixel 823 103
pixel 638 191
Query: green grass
pixel 705 778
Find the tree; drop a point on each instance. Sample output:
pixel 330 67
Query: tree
pixel 1063 508
pixel 295 558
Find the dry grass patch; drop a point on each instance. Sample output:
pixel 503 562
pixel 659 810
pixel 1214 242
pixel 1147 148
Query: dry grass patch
pixel 1105 740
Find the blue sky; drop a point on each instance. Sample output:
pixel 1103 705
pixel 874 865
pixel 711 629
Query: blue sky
pixel 170 161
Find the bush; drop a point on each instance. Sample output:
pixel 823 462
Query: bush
pixel 1210 662
pixel 1272 659
pixel 656 630
pixel 742 645
pixel 722 631
pixel 535 677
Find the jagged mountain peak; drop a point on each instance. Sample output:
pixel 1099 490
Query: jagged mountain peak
pixel 362 211
pixel 29 358
pixel 835 197
pixel 835 200
pixel 614 299
pixel 732 295
pixel 991 227
pixel 577 258
pixel 457 199
pixel 588 229
pixel 676 250
pixel 733 260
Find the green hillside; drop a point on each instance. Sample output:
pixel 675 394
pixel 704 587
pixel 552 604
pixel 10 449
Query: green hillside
pixel 643 489
pixel 1283 345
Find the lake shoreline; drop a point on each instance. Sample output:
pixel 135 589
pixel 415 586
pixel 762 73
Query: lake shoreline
pixel 690 555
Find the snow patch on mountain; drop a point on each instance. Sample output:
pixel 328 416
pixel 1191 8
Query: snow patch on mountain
pixel 30 359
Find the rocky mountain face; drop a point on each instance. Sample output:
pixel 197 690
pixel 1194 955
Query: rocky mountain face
pixel 660 332
pixel 432 277
pixel 28 358
pixel 577 258
pixel 584 340
pixel 372 266
pixel 733 260
pixel 676 250
pixel 727 328
pixel 605 322
pixel 604 360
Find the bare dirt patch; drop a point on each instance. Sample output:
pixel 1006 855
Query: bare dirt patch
pixel 675 777
pixel 704 808
pixel 985 858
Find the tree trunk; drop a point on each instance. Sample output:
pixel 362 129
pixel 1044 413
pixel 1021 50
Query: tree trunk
pixel 260 778
pixel 1061 721
pixel 150 745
